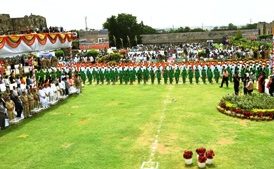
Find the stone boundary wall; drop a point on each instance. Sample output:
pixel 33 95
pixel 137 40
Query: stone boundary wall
pixel 195 36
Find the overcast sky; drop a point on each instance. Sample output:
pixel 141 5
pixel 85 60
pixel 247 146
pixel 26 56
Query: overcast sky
pixel 155 13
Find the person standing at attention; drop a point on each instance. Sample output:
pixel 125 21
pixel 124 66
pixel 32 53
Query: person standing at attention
pixel 225 78
pixel 236 80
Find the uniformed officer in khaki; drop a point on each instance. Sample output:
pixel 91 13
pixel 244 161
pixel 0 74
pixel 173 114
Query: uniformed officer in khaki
pixel 25 100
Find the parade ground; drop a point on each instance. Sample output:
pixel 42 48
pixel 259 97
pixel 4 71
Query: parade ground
pixel 122 126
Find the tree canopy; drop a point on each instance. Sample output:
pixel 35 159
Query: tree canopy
pixel 125 31
pixel 186 29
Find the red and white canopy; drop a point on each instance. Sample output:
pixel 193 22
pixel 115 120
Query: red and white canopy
pixel 11 45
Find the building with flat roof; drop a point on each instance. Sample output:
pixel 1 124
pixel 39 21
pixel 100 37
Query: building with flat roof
pixel 93 39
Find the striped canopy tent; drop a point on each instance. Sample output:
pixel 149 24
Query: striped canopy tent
pixel 12 45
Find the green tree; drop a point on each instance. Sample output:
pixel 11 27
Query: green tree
pixel 238 35
pixel 145 29
pixel 197 30
pixel 231 27
pixel 215 28
pixel 125 27
pixel 250 26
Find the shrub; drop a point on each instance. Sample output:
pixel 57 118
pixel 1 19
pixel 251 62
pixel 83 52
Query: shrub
pixel 59 53
pixel 250 102
pixel 93 53
pixel 255 106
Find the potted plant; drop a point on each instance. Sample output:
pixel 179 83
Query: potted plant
pixel 200 151
pixel 188 157
pixel 209 155
pixel 202 161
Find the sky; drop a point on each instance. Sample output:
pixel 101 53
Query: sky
pixel 159 14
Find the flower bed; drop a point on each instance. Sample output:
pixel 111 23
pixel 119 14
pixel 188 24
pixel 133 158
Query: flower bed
pixel 255 106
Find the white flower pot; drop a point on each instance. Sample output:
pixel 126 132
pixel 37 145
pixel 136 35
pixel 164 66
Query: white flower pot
pixel 201 165
pixel 188 161
pixel 209 161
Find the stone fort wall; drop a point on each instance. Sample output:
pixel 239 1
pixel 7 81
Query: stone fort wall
pixel 195 36
pixel 10 25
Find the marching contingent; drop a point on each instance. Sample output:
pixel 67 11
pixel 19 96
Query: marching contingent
pixel 161 72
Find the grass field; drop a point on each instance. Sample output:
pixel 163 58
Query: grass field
pixel 113 127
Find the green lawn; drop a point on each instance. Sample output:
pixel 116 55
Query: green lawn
pixel 113 127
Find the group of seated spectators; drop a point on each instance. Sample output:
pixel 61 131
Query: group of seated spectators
pixel 23 97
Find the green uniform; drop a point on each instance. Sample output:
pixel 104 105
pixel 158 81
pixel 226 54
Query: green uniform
pixel 116 75
pixel 95 74
pixel 257 72
pixel 42 76
pixel 184 75
pixel 209 74
pixel 266 71
pixel 243 72
pixel 126 76
pixel 112 76
pixel 216 74
pixel 120 74
pixel 131 76
pixel 190 75
pixel 83 76
pixel 158 75
pixel 204 75
pixel 165 75
pixel 197 75
pixel 89 75
pixel 171 75
pixel 47 74
pixel 134 74
pixel 177 75
pixel 152 76
pixel 146 75
pixel 53 75
pixel 101 76
pixel 139 74
pixel 107 76
pixel 37 76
